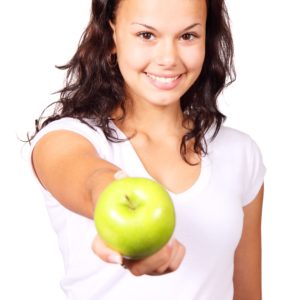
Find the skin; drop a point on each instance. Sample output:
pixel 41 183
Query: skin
pixel 148 43
pixel 247 260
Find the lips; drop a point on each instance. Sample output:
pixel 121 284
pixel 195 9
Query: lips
pixel 164 82
pixel 163 79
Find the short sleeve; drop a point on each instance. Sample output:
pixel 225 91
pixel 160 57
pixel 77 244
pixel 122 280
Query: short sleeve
pixel 255 170
pixel 94 135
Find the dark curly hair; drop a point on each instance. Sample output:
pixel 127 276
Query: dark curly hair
pixel 95 87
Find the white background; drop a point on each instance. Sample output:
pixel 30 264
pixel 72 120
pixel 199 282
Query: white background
pixel 264 102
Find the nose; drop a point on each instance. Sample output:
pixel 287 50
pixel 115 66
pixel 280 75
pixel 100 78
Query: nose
pixel 166 53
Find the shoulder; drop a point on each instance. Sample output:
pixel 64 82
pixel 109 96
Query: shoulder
pixel 231 134
pixel 232 140
pixel 71 124
pixel 238 155
pixel 86 129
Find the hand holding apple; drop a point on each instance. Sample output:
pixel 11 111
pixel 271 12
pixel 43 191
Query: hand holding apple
pixel 135 217
pixel 166 260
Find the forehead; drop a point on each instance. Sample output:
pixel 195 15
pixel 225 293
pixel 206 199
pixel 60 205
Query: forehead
pixel 161 11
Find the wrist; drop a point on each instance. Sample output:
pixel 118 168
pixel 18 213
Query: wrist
pixel 98 181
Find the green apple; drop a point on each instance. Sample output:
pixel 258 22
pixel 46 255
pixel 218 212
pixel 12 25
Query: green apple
pixel 135 216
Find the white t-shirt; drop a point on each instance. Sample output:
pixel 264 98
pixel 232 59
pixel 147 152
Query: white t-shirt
pixel 209 220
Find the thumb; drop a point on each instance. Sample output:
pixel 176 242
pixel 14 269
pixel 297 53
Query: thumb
pixel 106 254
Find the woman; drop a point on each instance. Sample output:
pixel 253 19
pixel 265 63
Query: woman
pixel 141 99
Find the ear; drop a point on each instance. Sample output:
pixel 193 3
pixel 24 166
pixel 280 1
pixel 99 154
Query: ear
pixel 113 28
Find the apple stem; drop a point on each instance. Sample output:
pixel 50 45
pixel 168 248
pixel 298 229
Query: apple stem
pixel 130 204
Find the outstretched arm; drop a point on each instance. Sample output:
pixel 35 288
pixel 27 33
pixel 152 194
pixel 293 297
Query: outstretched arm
pixel 69 167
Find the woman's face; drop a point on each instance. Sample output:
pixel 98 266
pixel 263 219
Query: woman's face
pixel 160 47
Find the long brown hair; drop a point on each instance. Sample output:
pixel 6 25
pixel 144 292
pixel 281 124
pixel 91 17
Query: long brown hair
pixel 95 87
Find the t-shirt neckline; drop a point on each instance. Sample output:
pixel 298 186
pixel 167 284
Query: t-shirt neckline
pixel 199 184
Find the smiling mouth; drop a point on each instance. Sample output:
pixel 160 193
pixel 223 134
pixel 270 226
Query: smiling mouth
pixel 163 79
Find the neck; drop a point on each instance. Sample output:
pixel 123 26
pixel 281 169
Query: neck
pixel 153 120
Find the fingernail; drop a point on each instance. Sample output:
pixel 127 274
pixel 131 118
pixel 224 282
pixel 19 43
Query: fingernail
pixel 171 242
pixel 115 259
pixel 120 174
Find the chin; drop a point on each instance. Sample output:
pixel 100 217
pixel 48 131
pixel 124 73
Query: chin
pixel 164 101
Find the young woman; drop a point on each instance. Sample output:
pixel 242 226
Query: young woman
pixel 141 98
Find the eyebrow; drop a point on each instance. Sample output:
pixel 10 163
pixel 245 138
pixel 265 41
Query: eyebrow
pixel 152 28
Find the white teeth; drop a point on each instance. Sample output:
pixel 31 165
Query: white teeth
pixel 163 79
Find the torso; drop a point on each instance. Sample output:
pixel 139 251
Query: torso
pixel 209 216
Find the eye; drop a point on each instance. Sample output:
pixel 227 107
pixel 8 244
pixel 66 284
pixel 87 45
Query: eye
pixel 189 36
pixel 145 35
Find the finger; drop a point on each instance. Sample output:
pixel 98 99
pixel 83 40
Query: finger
pixel 151 263
pixel 105 253
pixel 173 263
pixel 165 268
pixel 177 257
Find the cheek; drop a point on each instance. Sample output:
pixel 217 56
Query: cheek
pixel 131 65
pixel 132 58
pixel 194 59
